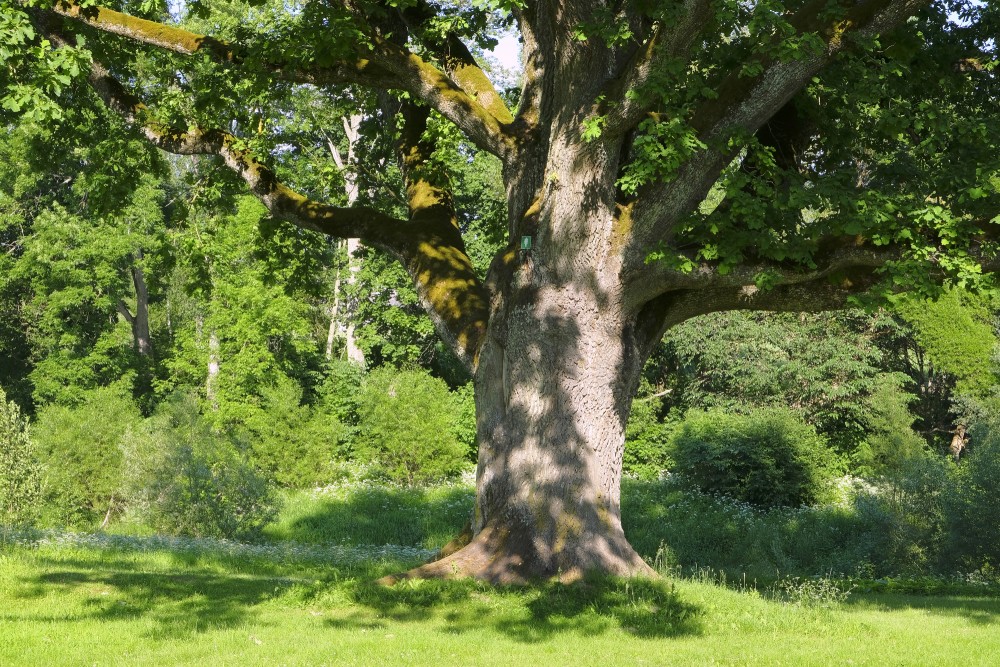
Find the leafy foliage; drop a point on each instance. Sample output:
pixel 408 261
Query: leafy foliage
pixel 183 478
pixel 82 447
pixel 295 444
pixel 910 505
pixel 406 426
pixel 769 457
pixel 973 506
pixel 892 443
pixel 646 451
pixel 20 471
pixel 956 331
pixel 828 367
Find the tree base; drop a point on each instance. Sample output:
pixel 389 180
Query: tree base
pixel 505 557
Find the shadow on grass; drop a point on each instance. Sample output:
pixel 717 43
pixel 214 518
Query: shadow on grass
pixel 427 518
pixel 978 610
pixel 640 607
pixel 177 602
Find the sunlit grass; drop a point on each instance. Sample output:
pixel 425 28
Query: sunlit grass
pixel 70 605
pixel 307 596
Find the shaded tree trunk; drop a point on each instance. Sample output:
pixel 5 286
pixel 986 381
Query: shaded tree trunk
pixel 140 326
pixel 556 375
pixel 139 322
pixel 554 388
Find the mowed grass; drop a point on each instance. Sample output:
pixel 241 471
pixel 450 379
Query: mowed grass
pixel 64 605
pixel 306 596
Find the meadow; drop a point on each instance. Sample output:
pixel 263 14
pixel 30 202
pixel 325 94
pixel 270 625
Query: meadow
pixel 307 596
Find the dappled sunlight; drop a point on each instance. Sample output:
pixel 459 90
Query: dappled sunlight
pixel 590 607
pixel 177 602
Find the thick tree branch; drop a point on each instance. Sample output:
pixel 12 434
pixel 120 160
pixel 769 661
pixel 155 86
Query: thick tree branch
pixel 459 63
pixel 664 43
pixel 386 66
pixel 125 313
pixel 844 266
pixel 441 269
pixel 746 103
pixel 429 245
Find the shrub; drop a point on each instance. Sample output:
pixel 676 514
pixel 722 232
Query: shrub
pixel 406 426
pixel 464 419
pixel 973 506
pixel 769 457
pixel 892 444
pixel 185 479
pixel 20 471
pixel 81 446
pixel 912 497
pixel 295 444
pixel 646 437
pixel 337 394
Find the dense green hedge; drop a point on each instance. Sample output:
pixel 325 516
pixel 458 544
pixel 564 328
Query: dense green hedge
pixel 768 457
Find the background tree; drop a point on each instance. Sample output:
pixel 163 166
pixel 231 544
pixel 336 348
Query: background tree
pixel 665 160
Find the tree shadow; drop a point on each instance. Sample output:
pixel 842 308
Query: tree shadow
pixel 640 607
pixel 179 602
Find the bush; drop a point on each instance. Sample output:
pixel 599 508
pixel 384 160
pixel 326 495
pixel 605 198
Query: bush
pixel 81 446
pixel 184 479
pixel 406 426
pixel 912 497
pixel 337 394
pixel 892 444
pixel 646 437
pixel 769 457
pixel 295 444
pixel 464 419
pixel 20 471
pixel 689 529
pixel 973 506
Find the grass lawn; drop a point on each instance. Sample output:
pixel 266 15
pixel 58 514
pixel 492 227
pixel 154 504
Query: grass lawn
pixel 143 601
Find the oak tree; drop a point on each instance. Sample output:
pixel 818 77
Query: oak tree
pixel 664 159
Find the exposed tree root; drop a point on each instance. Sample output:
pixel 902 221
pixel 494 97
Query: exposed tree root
pixel 505 557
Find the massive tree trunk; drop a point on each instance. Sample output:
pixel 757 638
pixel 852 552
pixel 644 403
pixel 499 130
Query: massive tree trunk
pixel 553 393
pixel 556 375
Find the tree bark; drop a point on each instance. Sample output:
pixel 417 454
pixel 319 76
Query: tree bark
pixel 140 324
pixel 556 375
pixel 553 392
